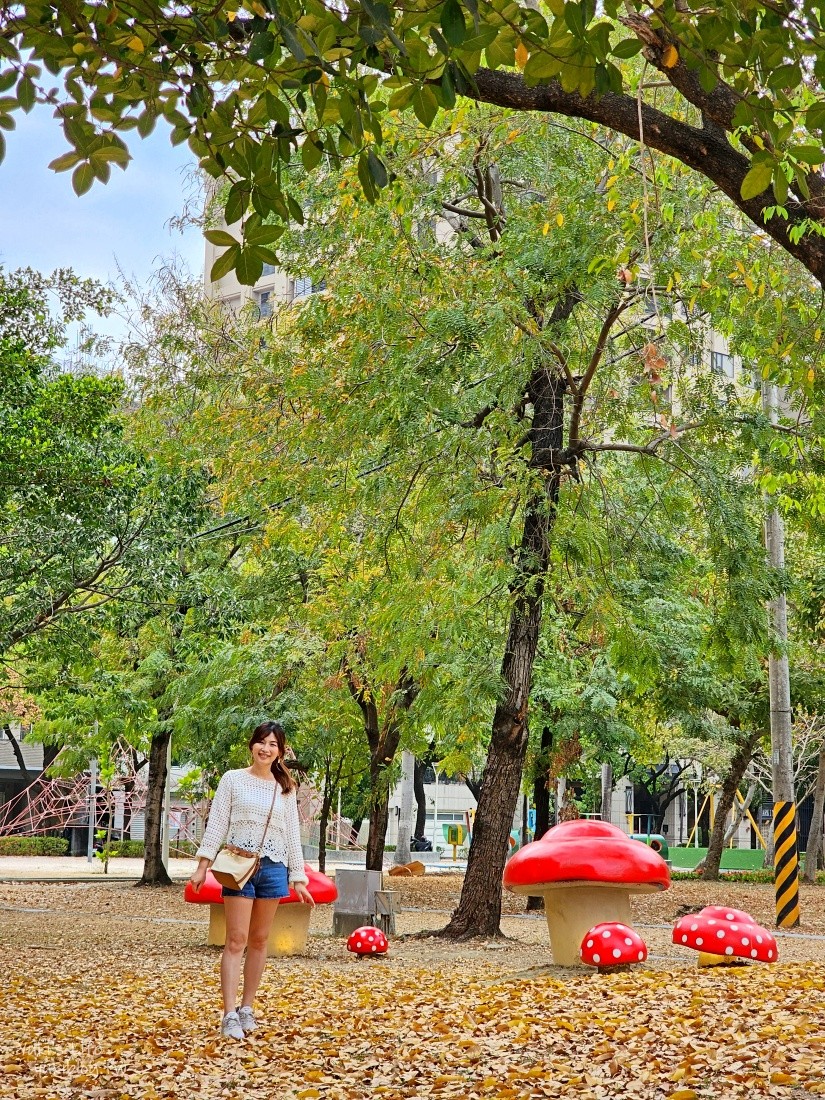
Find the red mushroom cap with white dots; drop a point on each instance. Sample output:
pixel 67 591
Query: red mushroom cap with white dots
pixel 612 944
pixel 727 932
pixel 367 940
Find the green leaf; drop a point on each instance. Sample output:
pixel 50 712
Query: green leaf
pixel 26 94
pixel 2 147
pixel 815 117
pixel 237 202
pixel 249 267
pixel 757 179
pixel 541 67
pixel 261 46
pixel 810 154
pixel 424 104
pixel 311 153
pixel 220 237
pixel 83 178
pixel 146 123
pixel 225 262
pixel 378 170
pixel 628 47
pixel 452 23
pixel 64 162
pixel 367 182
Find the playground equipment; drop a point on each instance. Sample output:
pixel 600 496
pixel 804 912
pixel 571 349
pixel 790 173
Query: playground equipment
pixel 724 937
pixel 586 871
pixel 367 941
pixel 610 945
pixel 455 835
pixel 653 840
pixel 291 925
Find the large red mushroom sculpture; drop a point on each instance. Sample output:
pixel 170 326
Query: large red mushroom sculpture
pixel 290 928
pixel 586 872
pixel 725 936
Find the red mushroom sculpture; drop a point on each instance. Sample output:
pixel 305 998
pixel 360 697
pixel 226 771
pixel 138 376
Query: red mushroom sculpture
pixel 291 925
pixel 586 872
pixel 367 941
pixel 724 937
pixel 611 945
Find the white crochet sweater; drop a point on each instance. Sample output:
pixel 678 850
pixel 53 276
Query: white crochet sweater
pixel 238 816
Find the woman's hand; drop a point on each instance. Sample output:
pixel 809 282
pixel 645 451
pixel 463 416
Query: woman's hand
pixel 198 876
pixel 303 894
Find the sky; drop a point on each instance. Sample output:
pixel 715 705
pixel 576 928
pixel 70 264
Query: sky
pixel 44 225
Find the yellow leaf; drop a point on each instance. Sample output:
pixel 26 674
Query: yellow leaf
pixel 545 229
pixel 670 57
pixel 781 1079
pixel 308 1094
pixel 818 335
pixel 559 219
pixel 811 374
pixel 136 44
pixel 521 55
pixel 749 283
pixel 683 1094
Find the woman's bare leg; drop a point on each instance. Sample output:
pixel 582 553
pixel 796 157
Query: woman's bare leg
pixel 260 925
pixel 238 913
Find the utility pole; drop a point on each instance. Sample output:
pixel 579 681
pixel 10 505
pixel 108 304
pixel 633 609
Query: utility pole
pixel 786 853
pixel 167 798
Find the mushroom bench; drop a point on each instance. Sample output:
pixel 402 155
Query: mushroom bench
pixel 290 927
pixel 586 872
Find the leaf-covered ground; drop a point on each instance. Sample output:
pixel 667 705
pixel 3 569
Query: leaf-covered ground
pixel 108 992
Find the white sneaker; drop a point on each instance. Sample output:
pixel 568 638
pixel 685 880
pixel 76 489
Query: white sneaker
pixel 247 1019
pixel 231 1026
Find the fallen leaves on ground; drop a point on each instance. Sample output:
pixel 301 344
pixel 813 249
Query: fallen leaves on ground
pixel 108 993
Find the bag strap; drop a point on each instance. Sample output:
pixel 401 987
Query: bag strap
pixel 268 819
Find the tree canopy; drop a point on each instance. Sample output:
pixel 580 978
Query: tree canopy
pixel 255 85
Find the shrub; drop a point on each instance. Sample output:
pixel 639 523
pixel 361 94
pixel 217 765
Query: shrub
pixel 33 846
pixel 129 849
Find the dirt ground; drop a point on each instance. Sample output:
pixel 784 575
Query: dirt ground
pixel 110 992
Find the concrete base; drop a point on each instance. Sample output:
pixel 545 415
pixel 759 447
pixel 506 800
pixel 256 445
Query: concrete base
pixel 290 929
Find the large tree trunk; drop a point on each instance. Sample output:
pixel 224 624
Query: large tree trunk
pixel 379 817
pixel 711 863
pixel 479 908
pixel 154 873
pixel 28 776
pixel 813 851
pixel 323 819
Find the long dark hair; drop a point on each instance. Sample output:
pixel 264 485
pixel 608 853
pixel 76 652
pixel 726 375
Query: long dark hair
pixel 278 767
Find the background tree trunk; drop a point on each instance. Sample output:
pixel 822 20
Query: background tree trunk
pixel 606 808
pixel 154 873
pixel 420 799
pixel 479 908
pixel 541 800
pixel 402 846
pixel 813 851
pixel 709 868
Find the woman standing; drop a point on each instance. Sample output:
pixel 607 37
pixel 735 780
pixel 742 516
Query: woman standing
pixel 254 809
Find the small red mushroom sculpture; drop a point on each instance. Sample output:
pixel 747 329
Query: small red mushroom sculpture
pixel 367 940
pixel 290 927
pixel 725 936
pixel 586 872
pixel 611 945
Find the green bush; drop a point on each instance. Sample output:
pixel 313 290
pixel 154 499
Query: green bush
pixel 763 876
pixel 33 846
pixel 129 849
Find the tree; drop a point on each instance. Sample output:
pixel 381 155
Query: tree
pixel 250 85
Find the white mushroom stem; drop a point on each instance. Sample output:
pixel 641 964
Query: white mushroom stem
pixel 572 908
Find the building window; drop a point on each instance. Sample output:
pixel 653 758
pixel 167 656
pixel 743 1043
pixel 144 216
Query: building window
pixel 264 302
pixel 721 363
pixel 303 286
pixel 269 269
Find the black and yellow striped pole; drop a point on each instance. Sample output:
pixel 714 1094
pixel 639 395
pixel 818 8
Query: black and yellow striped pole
pixel 786 854
pixel 786 864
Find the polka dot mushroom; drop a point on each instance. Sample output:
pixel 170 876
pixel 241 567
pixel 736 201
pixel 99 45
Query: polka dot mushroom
pixel 725 936
pixel 611 945
pixel 367 941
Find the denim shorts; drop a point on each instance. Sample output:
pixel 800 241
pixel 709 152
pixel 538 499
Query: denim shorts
pixel 269 881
